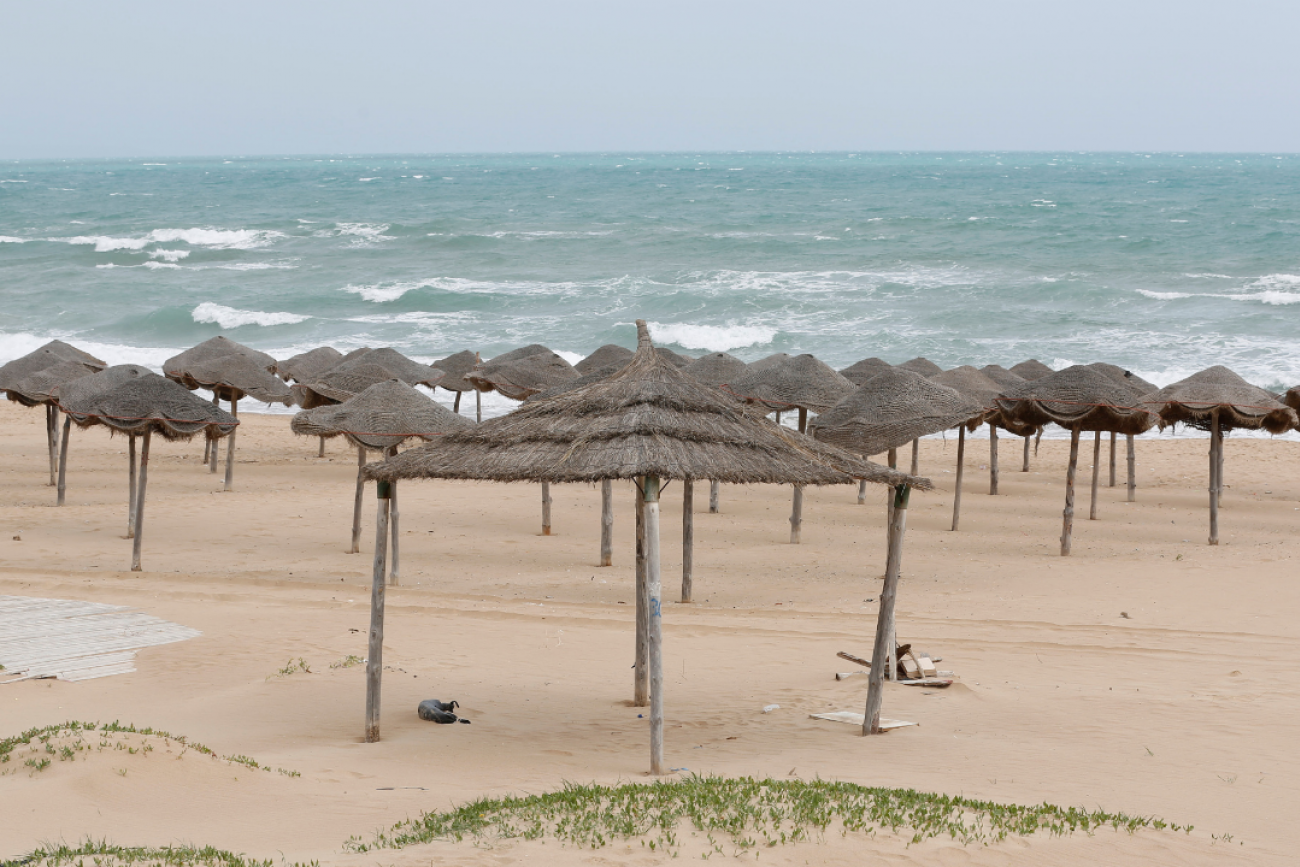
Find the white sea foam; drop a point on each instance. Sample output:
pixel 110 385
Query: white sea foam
pixel 715 338
pixel 230 317
pixel 216 239
pixel 155 266
pixel 169 255
pixel 9 239
pixel 571 357
pixel 254 266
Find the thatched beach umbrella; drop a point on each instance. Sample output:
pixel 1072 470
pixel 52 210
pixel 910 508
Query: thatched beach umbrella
pixel 1219 401
pixel 41 388
pixel 379 419
pixel 861 371
pixel 306 365
pixel 80 392
pixel 1292 398
pixel 648 423
pixel 232 378
pixel 1031 369
pixel 358 371
pixel 457 367
pixel 981 390
pixel 609 354
pixel 676 359
pixel 148 404
pixel 1078 398
pixel 802 383
pixel 715 369
pixel 1005 379
pixel 922 365
pixel 56 353
pixel 1141 386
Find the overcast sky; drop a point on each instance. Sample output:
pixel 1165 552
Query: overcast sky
pixel 282 76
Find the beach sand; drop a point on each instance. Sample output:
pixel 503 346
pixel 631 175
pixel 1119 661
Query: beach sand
pixel 1186 708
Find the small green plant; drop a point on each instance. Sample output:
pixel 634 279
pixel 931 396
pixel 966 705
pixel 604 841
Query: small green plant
pixel 293 667
pixel 37 765
pixel 347 662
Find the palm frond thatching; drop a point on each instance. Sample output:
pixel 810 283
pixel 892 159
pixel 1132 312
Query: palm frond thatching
pixel 210 350
pixel 1292 397
pixel 801 381
pixel 676 359
pixel 518 376
pixel 892 409
pixel 358 371
pixel 456 367
pixel 1195 400
pixel 382 416
pixel 41 386
pixel 974 384
pixel 145 402
pixel 716 368
pixel 863 370
pixel 1077 397
pixel 1003 377
pixel 592 375
pixel 647 419
pixel 233 377
pixel 305 365
pixel 922 365
pixel 54 353
pixel 1031 369
pixel 1135 382
pixel 610 353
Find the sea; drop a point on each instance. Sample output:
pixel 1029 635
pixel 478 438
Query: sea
pixel 1161 263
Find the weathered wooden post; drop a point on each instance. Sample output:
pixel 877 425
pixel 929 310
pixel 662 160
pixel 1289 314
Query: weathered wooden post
pixel 375 653
pixel 1132 470
pixel 356 504
pixel 688 538
pixel 394 557
pixel 1096 473
pixel 916 456
pixel 1025 467
pixel 52 440
pixel 993 459
pixel 961 467
pixel 1113 437
pixel 862 491
pixel 131 483
pixel 1067 529
pixel 321 452
pixel 796 511
pixel 455 405
pixel 606 522
pixel 1216 444
pixel 216 444
pixel 546 508
pixel 230 446
pixel 478 406
pixel 1218 476
pixel 641 674
pixel 63 459
pixel 882 653
pixel 655 634
pixel 139 500
pixel 714 507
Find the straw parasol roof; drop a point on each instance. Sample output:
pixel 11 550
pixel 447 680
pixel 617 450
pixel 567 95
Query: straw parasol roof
pixel 922 365
pixel 891 410
pixel 517 375
pixel 360 370
pixel 456 367
pixel 1135 382
pixel 610 353
pixel 568 385
pixel 770 361
pixel 801 381
pixel 1292 398
pixel 716 368
pixel 974 384
pixel 1031 369
pixel 383 416
pixel 676 359
pixel 647 419
pixel 41 386
pixel 1003 377
pixel 79 391
pixel 232 377
pixel 54 353
pixel 143 401
pixel 305 365
pixel 865 369
pixel 1077 397
pixel 210 350
pixel 1194 401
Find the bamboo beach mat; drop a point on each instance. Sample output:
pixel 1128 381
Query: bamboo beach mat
pixel 74 640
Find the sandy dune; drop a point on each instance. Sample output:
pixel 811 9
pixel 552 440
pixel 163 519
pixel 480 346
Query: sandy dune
pixel 1186 708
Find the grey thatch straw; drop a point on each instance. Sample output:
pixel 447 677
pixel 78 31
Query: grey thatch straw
pixel 41 386
pixel 609 354
pixel 861 371
pixel 1292 397
pixel 801 381
pixel 648 422
pixel 1031 369
pixel 360 370
pixel 1141 386
pixel 457 367
pixel 305 365
pixel 921 365
pixel 676 359
pixel 211 350
pixel 1003 377
pixel 518 376
pixel 973 383
pixel 1128 377
pixel 892 409
pixel 384 415
pixel 595 374
pixel 716 368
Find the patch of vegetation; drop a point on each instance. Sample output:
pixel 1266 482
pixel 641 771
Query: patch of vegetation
pixel 292 667
pixel 105 854
pixel 75 737
pixel 744 812
pixel 347 662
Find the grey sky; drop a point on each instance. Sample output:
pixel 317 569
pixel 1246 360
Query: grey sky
pixel 284 76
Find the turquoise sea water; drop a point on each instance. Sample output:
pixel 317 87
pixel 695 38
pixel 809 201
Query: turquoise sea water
pixel 1161 263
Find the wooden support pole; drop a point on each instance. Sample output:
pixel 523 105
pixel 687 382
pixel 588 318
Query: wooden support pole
pixel 52 440
pixel 607 522
pixel 916 457
pixel 993 459
pixel 654 592
pixel 862 492
pixel 714 506
pixel 1067 528
pixel 63 459
pixel 139 500
pixel 1025 467
pixel 321 451
pixel 1218 476
pixel 207 449
pixel 375 653
pixel 796 507
pixel 546 508
pixel 230 447
pixel 641 673
pixel 131 485
pixel 478 406
pixel 394 557
pixel 688 538
pixel 1132 470
pixel 1096 474
pixel 356 503
pixel 1113 437
pixel 1216 443
pixel 455 406
pixel 216 444
pixel 883 651
pixel 961 468
pixel 892 460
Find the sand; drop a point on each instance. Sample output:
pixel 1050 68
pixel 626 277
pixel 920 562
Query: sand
pixel 1147 673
